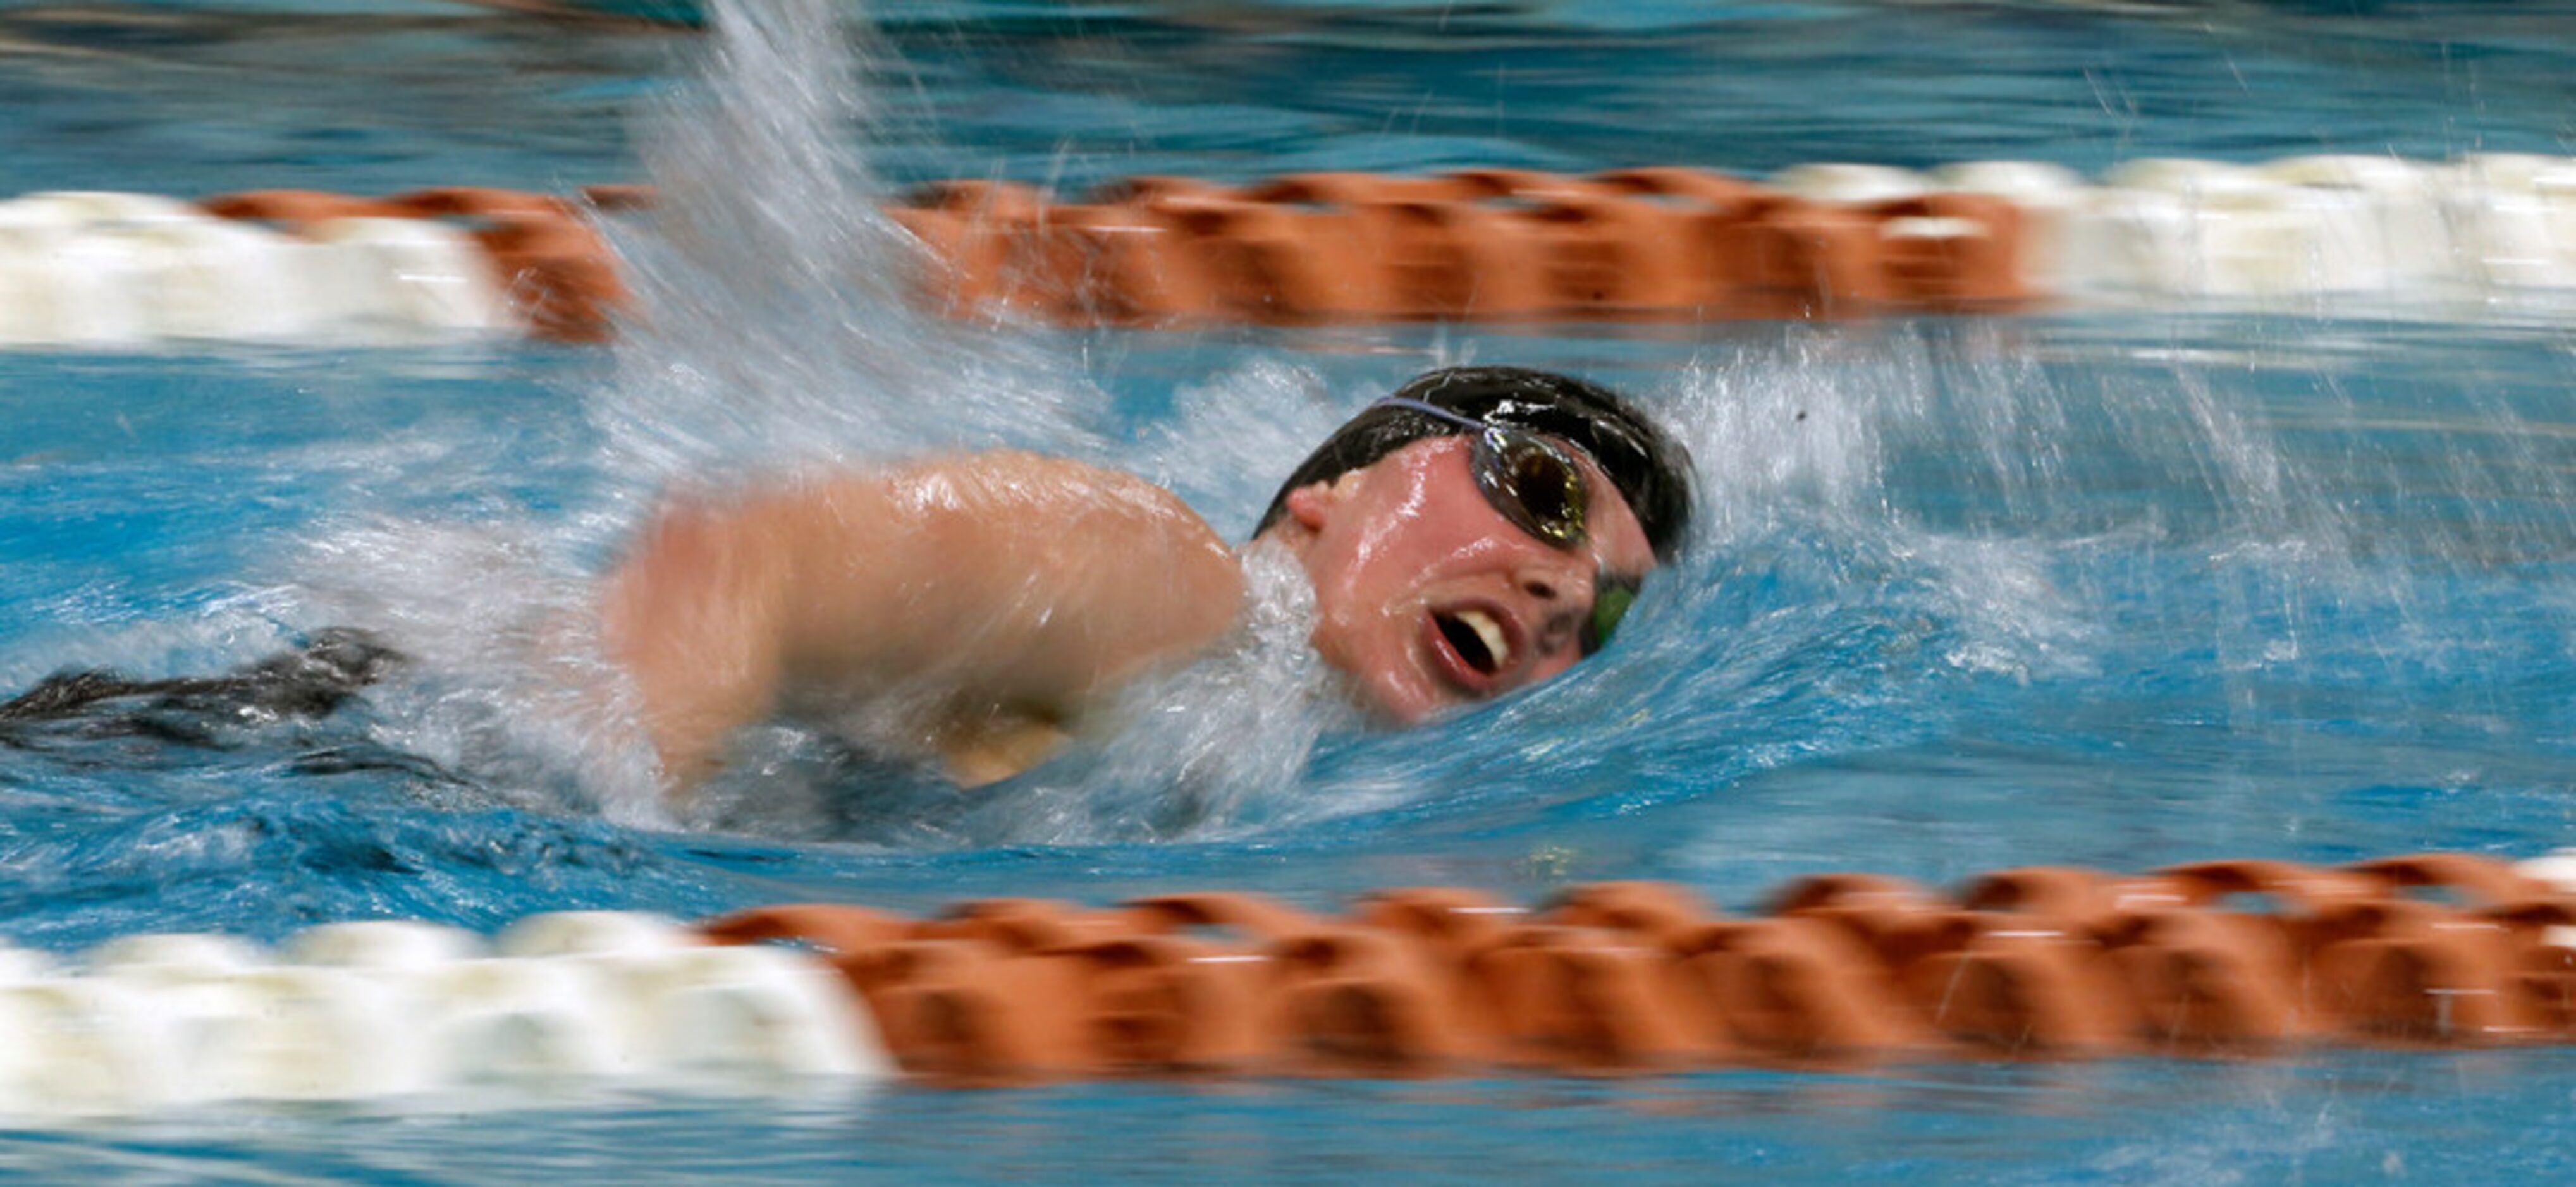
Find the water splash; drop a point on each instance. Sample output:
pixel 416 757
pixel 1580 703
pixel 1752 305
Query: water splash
pixel 777 328
pixel 779 333
pixel 506 678
pixel 1901 526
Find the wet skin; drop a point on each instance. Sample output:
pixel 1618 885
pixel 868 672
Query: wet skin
pixel 1428 598
pixel 1011 596
pixel 1000 597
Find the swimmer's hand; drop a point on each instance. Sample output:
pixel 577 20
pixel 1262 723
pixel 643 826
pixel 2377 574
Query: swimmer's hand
pixel 1003 594
pixel 989 752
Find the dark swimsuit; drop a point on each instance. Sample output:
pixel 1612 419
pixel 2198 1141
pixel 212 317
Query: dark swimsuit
pixel 310 681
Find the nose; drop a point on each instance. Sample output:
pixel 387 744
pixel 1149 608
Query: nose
pixel 1560 595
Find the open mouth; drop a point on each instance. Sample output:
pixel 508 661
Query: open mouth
pixel 1477 637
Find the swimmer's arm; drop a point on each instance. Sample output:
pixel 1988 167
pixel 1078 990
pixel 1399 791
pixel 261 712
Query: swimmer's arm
pixel 693 616
pixel 1018 591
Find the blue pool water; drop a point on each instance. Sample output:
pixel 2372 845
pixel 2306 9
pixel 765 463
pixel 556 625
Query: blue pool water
pixel 2116 589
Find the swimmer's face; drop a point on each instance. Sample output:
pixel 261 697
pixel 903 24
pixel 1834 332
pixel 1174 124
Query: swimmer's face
pixel 1428 598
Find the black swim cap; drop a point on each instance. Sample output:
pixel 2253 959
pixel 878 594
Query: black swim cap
pixel 1651 470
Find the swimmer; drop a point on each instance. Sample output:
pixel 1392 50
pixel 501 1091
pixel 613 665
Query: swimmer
pixel 1479 531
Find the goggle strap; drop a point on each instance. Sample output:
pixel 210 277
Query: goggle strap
pixel 1436 412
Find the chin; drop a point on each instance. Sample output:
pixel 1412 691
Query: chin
pixel 1401 698
pixel 1391 684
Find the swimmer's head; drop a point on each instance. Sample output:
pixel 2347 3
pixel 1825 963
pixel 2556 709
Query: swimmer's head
pixel 1478 531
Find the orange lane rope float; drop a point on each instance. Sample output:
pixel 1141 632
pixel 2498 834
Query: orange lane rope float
pixel 1481 245
pixel 2052 963
pixel 1657 244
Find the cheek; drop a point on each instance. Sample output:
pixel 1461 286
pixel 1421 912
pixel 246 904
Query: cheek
pixel 1363 630
pixel 1357 623
pixel 1344 609
pixel 1337 577
pixel 1357 575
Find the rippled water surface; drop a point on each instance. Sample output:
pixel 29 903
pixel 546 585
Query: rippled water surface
pixel 2117 589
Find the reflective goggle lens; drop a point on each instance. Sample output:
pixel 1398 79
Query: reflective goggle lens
pixel 1533 484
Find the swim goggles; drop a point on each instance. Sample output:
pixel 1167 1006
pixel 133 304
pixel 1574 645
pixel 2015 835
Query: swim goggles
pixel 1538 487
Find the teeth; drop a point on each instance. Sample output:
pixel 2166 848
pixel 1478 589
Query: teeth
pixel 1490 633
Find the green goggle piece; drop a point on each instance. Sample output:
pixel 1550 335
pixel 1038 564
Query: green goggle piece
pixel 1612 594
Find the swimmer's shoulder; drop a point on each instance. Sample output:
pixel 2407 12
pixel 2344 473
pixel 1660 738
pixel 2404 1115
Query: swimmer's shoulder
pixel 1038 483
pixel 1010 594
pixel 1015 500
pixel 1152 565
pixel 1050 564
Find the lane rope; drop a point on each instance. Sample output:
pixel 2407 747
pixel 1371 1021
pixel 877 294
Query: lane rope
pixel 1836 971
pixel 1653 244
